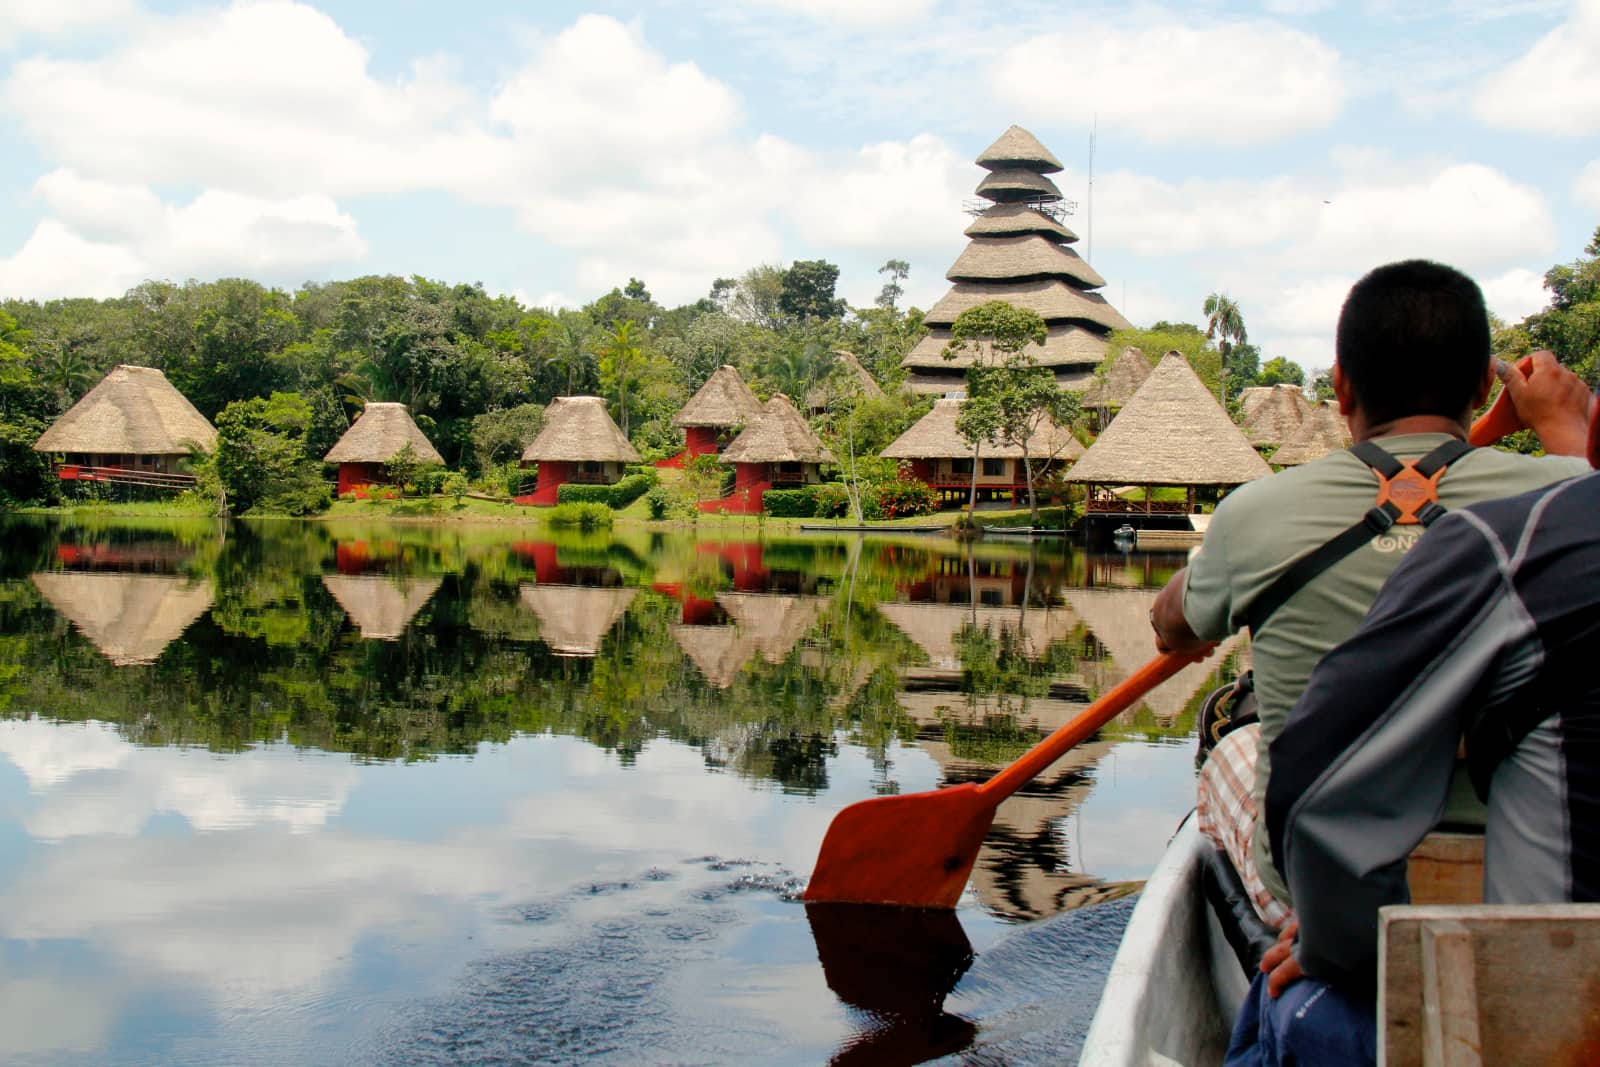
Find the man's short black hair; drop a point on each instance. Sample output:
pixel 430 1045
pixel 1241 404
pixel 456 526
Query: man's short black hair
pixel 1414 340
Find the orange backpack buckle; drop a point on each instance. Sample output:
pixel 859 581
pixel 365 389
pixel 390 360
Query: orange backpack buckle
pixel 1410 491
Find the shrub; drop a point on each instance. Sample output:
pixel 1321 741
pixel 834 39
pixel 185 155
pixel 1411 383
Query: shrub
pixel 631 488
pixel 665 504
pixel 789 503
pixel 832 500
pixel 576 493
pixel 429 479
pixel 617 496
pixel 455 485
pixel 909 497
pixel 514 475
pixel 585 516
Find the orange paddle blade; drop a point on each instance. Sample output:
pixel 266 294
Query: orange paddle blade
pixel 1501 419
pixel 915 851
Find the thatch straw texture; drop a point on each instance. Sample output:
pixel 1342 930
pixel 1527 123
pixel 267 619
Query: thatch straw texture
pixel 1024 256
pixel 1323 431
pixel 1053 299
pixel 578 428
pixel 1008 220
pixel 573 619
pixel 379 435
pixel 1018 148
pixel 130 618
pixel 1172 432
pixel 1064 345
pixel 1122 379
pixel 132 411
pixel 778 435
pixel 725 401
pixel 1120 621
pixel 381 606
pixel 849 378
pixel 772 622
pixel 934 436
pixel 1273 414
pixel 719 651
pixel 1016 186
pixel 933 627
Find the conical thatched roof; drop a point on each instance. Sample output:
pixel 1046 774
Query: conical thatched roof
pixel 849 378
pixel 934 436
pixel 573 619
pixel 773 623
pixel 719 651
pixel 130 618
pixel 1172 432
pixel 1272 413
pixel 133 410
pixel 1064 345
pixel 1323 431
pixel 778 435
pixel 933 627
pixel 1017 186
pixel 381 606
pixel 576 429
pixel 379 435
pixel 1010 220
pixel 1024 256
pixel 1053 299
pixel 1122 379
pixel 723 402
pixel 1018 148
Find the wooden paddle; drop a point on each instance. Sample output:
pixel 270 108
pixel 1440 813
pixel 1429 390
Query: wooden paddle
pixel 916 850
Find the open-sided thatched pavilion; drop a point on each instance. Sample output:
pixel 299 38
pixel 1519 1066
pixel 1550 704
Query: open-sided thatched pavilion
pixel 132 427
pixel 942 458
pixel 1171 433
pixel 716 412
pixel 579 443
pixel 776 450
pixel 381 433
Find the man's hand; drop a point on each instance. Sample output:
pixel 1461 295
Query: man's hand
pixel 1552 401
pixel 1172 628
pixel 1279 965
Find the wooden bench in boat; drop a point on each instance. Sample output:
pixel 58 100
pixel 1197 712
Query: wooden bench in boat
pixel 1489 985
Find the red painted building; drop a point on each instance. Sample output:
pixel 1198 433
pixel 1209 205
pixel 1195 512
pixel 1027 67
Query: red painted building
pixel 776 450
pixel 579 443
pixel 718 410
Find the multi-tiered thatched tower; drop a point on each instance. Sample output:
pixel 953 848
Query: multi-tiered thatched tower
pixel 1019 253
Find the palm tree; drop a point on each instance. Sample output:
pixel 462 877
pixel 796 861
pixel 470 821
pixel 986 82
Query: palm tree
pixel 619 361
pixel 1225 325
pixel 572 353
pixel 65 370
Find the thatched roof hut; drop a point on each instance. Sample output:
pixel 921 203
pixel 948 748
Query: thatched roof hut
pixel 933 627
pixel 130 618
pixel 381 606
pixel 132 411
pixel 1272 413
pixel 719 651
pixel 1323 431
pixel 574 619
pixel 380 433
pixel 1022 256
pixel 1013 220
pixel 1018 148
pixel 1120 381
pixel 1172 432
pixel 578 429
pixel 849 378
pixel 1054 300
pixel 773 623
pixel 723 402
pixel 1017 186
pixel 934 436
pixel 1065 345
pixel 778 435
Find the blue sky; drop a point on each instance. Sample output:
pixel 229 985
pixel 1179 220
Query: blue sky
pixel 1274 150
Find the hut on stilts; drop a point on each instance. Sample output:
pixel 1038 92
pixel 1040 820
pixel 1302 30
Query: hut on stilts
pixel 579 443
pixel 132 428
pixel 718 410
pixel 1019 252
pixel 1114 385
pixel 1323 431
pixel 776 450
pixel 380 433
pixel 848 378
pixel 941 457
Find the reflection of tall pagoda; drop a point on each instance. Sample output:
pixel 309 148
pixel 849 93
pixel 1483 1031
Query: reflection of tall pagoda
pixel 1019 253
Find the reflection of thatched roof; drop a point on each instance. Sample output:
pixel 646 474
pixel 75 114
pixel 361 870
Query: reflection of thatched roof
pixel 379 435
pixel 1026 256
pixel 1120 621
pixel 724 401
pixel 130 618
pixel 848 378
pixel 1015 185
pixel 1172 432
pixel 934 436
pixel 1052 298
pixel 133 410
pixel 772 622
pixel 1064 345
pixel 778 435
pixel 1272 413
pixel 576 429
pixel 1007 220
pixel 1324 430
pixel 933 627
pixel 719 651
pixel 1018 148
pixel 380 606
pixel 1124 374
pixel 573 619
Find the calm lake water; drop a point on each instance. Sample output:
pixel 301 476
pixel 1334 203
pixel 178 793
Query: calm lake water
pixel 313 793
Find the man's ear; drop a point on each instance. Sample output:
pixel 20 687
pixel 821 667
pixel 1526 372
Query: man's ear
pixel 1342 392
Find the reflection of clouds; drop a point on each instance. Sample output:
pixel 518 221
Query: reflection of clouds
pixel 44 1015
pixel 85 783
pixel 1140 794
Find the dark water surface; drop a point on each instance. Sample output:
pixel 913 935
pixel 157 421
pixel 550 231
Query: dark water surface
pixel 315 793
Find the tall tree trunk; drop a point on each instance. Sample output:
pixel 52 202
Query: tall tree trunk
pixel 972 500
pixel 1033 501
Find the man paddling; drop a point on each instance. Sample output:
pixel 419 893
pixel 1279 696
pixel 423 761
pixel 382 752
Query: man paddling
pixel 1412 364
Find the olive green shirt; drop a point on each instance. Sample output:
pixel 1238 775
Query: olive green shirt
pixel 1261 528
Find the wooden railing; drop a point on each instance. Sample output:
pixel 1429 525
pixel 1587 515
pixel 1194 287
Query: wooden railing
pixel 73 472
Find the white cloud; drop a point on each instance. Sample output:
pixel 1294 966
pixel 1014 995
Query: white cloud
pixel 1296 7
pixel 1516 294
pixel 1586 190
pixel 896 194
pixel 855 12
pixel 1554 87
pixel 19 18
pixel 1227 83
